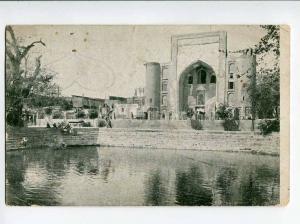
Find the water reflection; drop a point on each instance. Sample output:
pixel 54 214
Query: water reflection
pixel 34 177
pixel 259 188
pixel 225 184
pixel 20 193
pixel 106 169
pixel 155 189
pixel 191 188
pixel 118 176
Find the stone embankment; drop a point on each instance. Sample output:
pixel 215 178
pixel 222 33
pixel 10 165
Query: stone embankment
pixel 244 125
pixel 191 139
pixel 144 138
pixel 19 138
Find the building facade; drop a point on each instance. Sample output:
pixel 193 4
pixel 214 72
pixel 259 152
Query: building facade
pixel 125 111
pixel 200 77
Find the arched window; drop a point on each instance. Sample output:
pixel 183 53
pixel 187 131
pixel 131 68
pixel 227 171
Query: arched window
pixel 213 79
pixel 203 77
pixel 231 70
pixel 199 77
pixel 164 100
pixel 190 79
pixel 164 86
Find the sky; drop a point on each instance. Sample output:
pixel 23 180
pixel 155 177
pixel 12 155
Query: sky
pixel 98 61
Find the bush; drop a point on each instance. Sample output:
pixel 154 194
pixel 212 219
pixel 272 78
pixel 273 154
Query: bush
pixel 196 124
pixel 80 114
pixel 57 115
pixel 48 110
pixel 41 115
pixel 66 105
pixel 268 126
pixel 12 119
pixel 101 123
pixel 93 114
pixel 231 125
pixel 86 124
pixel 190 113
pixel 223 112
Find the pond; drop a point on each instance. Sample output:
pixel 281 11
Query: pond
pixel 125 176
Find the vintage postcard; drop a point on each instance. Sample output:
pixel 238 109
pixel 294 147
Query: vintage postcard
pixel 147 115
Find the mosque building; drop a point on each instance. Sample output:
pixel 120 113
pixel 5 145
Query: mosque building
pixel 199 77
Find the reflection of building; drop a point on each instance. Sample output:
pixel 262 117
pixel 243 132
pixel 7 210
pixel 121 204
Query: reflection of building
pixel 200 77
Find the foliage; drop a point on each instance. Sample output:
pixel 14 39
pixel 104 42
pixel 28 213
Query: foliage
pixel 47 101
pixel 41 114
pixel 265 91
pixel 93 114
pixel 223 112
pixel 65 104
pixel 270 42
pixel 57 115
pixel 190 113
pixel 268 126
pixel 80 114
pixel 48 110
pixel 196 124
pixel 86 124
pixel 231 124
pixel 101 123
pixel 268 96
pixel 22 82
pixel 13 118
pixel 64 127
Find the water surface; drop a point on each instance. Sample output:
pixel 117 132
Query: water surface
pixel 122 176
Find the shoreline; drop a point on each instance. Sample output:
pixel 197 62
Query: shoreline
pixel 198 140
pixel 248 151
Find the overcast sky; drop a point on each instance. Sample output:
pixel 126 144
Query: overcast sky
pixel 98 61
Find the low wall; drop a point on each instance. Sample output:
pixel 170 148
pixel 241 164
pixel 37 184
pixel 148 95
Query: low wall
pixel 152 124
pixel 145 138
pixel 191 139
pixel 245 125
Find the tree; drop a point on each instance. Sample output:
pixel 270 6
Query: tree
pixel 230 121
pixel 264 92
pixel 65 104
pixel 80 114
pixel 21 83
pixel 93 114
pixel 268 87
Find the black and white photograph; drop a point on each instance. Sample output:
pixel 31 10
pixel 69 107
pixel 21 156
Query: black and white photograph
pixel 145 115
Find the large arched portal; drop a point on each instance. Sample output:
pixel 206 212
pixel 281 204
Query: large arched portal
pixel 197 90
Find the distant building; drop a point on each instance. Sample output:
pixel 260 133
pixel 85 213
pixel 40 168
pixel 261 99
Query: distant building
pixel 200 77
pixel 125 111
pixel 87 102
pixel 138 98
pixel 112 100
pixel 117 99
